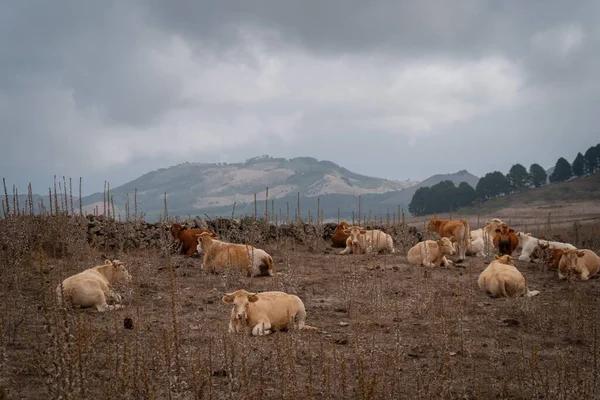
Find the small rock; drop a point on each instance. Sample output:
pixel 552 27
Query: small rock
pixel 343 324
pixel 128 323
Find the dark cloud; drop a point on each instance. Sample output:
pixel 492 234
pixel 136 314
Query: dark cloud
pixel 110 90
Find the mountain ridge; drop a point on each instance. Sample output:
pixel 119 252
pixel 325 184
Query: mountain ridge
pixel 213 188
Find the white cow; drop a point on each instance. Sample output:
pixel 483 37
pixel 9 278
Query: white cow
pixel 583 263
pixel 479 238
pixel 92 287
pixel 362 241
pixel 261 313
pixel 502 279
pixel 527 243
pixel 431 253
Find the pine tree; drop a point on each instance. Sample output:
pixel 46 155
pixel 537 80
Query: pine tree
pixel 518 177
pixel 562 171
pixel 537 175
pixel 578 166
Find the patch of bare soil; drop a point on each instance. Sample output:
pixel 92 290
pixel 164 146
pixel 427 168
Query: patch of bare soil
pixel 386 329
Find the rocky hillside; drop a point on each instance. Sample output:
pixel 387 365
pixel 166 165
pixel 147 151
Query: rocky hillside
pixel 197 188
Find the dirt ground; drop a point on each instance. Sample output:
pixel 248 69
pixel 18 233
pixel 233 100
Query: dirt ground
pixel 385 329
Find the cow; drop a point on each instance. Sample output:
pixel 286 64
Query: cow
pixel 431 253
pixel 502 279
pixel 457 229
pixel 338 238
pixel 482 238
pixel 262 313
pixel 527 243
pixel 92 287
pixel 506 241
pixel 583 263
pixel 187 238
pixel 223 255
pixel 362 241
pixel 547 255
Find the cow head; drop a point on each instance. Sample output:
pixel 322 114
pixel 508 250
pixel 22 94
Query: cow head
pixel 240 299
pixel 505 259
pixel 504 231
pixel 204 239
pixel 354 232
pixel 446 246
pixel 175 229
pixel 571 255
pixel 433 225
pixel 118 272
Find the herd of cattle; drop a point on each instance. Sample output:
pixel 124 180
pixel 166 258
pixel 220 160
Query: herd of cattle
pixel 260 313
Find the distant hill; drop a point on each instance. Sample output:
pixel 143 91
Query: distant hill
pixel 198 188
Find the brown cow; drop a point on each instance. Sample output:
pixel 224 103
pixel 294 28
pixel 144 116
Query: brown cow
pixel 457 229
pixel 506 240
pixel 338 238
pixel 547 255
pixel 188 237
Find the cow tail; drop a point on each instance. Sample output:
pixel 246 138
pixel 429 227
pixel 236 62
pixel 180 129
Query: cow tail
pixel 269 262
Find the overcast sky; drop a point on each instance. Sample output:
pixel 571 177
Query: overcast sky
pixel 109 90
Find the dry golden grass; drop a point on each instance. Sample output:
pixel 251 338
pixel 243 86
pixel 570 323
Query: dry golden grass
pixel 386 330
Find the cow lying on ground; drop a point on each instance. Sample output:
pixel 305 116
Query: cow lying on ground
pixel 502 279
pixel 338 238
pixel 457 229
pixel 527 243
pixel 547 255
pixel 582 263
pixel 431 253
pixel 505 240
pixel 361 241
pixel 482 238
pixel 92 287
pixel 222 255
pixel 187 238
pixel 262 313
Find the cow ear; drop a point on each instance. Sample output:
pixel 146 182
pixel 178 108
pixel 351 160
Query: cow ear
pixel 362 231
pixel 107 262
pixel 511 230
pixel 497 258
pixel 252 297
pixel 565 251
pixel 228 298
pixel 346 231
pixel 580 254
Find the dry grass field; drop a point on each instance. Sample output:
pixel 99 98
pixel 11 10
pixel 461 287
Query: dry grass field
pixel 386 329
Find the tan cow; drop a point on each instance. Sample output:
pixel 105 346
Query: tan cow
pixel 92 287
pixel 502 279
pixel 431 253
pixel 223 255
pixel 262 313
pixel 362 241
pixel 457 229
pixel 583 263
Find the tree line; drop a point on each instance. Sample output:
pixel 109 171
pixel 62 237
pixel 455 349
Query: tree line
pixel 445 196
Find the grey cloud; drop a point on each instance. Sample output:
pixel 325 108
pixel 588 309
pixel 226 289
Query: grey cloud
pixel 81 80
